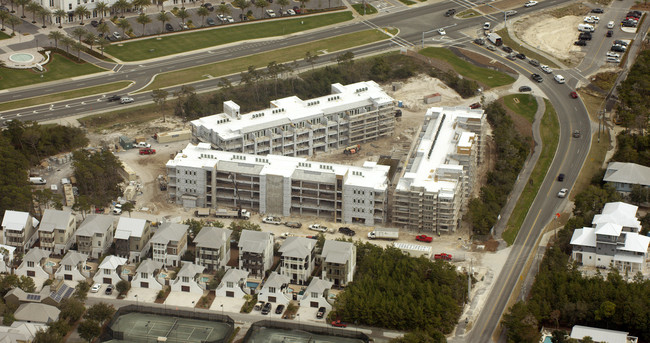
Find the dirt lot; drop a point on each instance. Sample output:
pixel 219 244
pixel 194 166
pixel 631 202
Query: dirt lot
pixel 551 35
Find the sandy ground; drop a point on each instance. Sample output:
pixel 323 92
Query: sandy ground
pixel 552 35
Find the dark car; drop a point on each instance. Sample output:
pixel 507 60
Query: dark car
pixel 209 6
pixel 450 12
pixel 321 312
pixel 267 308
pixel 479 41
pixel 521 56
pixel 94 23
pixel 537 77
pixel 524 89
pixel 610 33
pixel 506 49
pixel 585 36
pixel 560 177
pixel 576 133
pixel 475 105
pixel 620 42
pixel 617 48
pixel 211 22
pixel 597 10
pixel 534 62
pixel 169 27
pixel 109 290
pixel 573 95
pixel 347 231
pixel 279 309
pixel 114 98
pixel 580 43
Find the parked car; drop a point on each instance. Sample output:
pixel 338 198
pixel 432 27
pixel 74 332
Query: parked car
pixel 524 89
pixel 537 77
pixel 270 13
pixel 585 36
pixel 297 9
pixel 580 43
pixel 211 22
pixel 321 312
pixel 475 105
pixel 613 54
pixel 443 256
pixel 109 290
pixel 546 69
pixel 442 31
pixel 117 35
pixel 620 42
pixel 562 193
pixel 347 231
pixel 147 151
pixel 142 145
pixel 272 220
pixel 534 62
pixel 560 177
pixel 95 288
pixel 597 10
pixel 618 48
pixel 114 97
pixel 293 225
pixel 424 238
pixel 99 210
pixel 183 26
pixel 291 12
pixel 450 12
pixel 318 227
pixel 208 6
pixel 230 19
pixel 169 27
pixel 94 23
pixel 339 324
pixel 258 306
pixel 117 209
pixel 279 309
pixel 312 237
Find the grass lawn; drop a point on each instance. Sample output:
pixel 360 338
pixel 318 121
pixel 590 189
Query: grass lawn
pixel 467 14
pixel 550 137
pixel 523 104
pixel 407 2
pixel 4 35
pixel 46 99
pixel 261 60
pixel 177 43
pixel 529 53
pixel 489 77
pixel 369 9
pixel 116 120
pixel 58 68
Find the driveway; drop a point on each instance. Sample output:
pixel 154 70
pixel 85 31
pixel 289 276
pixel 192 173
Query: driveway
pixel 142 295
pixel 102 293
pixel 184 299
pixel 229 304
pixel 308 314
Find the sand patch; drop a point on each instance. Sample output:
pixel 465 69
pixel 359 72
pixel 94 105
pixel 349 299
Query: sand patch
pixel 555 36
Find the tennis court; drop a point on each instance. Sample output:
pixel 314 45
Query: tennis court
pixel 272 335
pixel 142 328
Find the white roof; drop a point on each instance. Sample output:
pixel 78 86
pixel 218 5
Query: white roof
pixel 190 269
pixel 20 332
pixel 276 280
pixel 337 251
pixel 234 275
pixel 598 335
pixel 36 255
pixel 635 243
pixel 412 247
pixel 370 175
pixel 212 237
pixel 55 219
pixel 254 241
pixel 292 110
pixel 169 232
pixel 149 266
pixel 95 223
pixel 112 262
pixel 16 220
pixel 619 213
pixel 73 258
pixel 623 172
pixel 609 229
pixel 317 286
pixel 130 227
pixel 434 165
pixel 584 237
pixel 299 247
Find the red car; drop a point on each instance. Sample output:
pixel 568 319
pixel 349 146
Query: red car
pixel 339 324
pixel 573 95
pixel 442 256
pixel 475 105
pixel 424 238
pixel 147 151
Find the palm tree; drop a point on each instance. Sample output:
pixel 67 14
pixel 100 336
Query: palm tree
pixel 182 13
pixel 261 4
pixel 103 43
pixel 12 2
pixel 203 12
pixel 67 42
pixel 22 4
pixel 282 3
pixel 90 39
pixel 44 13
pixel 4 15
pixel 79 32
pixel 13 21
pixel 56 36
pixel 302 5
pixel 121 5
pixel 33 8
pixel 242 5
pixel 78 47
pixel 81 11
pixel 124 25
pixel 144 20
pixel 101 8
pixel 162 17
pixel 142 4
pixel 103 29
pixel 223 9
pixel 60 14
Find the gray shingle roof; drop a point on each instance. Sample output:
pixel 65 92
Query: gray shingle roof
pixel 276 280
pixel 253 241
pixel 212 237
pixel 190 269
pixel 234 275
pixel 36 255
pixel 299 247
pixel 169 232
pixel 337 251
pixel 73 258
pixel 39 313
pixel 627 173
pixel 95 223
pixel 317 286
pixel 149 266
pixel 112 262
pixel 54 219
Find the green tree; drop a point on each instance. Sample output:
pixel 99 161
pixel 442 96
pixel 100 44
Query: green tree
pixel 163 17
pixel 82 12
pixel 101 8
pixel 124 25
pixel 71 309
pixel 97 175
pixel 128 207
pixel 203 12
pixel 242 5
pixel 90 38
pixel 121 6
pixel 44 13
pixel 33 8
pixel 311 58
pixel 521 325
pixel 78 47
pixel 104 29
pixel 182 14
pixel 89 330
pixel 81 290
pixel 8 319
pixel 160 98
pixel 79 32
pixel 144 20
pixel 60 14
pixel 103 43
pixel 123 287
pixel 4 15
pixel 23 3
pixel 26 284
pixel 261 4
pixel 13 21
pixel 223 9
pixel 283 4
pixel 55 36
pixel 100 312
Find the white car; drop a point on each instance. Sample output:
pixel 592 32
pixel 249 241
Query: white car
pixel 270 13
pixel 318 227
pixel 595 19
pixel 126 100
pixel 610 25
pixel 272 220
pixel 230 19
pixel 487 25
pixel 562 193
pixel 222 18
pixel 546 69
pixel 291 12
pixel 613 60
pixel 117 209
pixel 95 288
pixel 530 4
pixel 589 20
pixel 442 32
pixel 613 54
pixel 284 235
pixel 142 145
pixel 559 79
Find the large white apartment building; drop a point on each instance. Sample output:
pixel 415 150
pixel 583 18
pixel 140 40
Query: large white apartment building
pixel 352 114
pixel 281 185
pixel 439 174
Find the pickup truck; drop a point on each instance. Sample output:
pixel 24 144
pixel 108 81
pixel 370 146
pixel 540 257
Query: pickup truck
pixel 424 238
pixel 318 227
pixel 443 256
pixel 147 151
pixel 272 220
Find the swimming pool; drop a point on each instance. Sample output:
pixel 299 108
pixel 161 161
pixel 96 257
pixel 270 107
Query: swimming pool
pixel 125 271
pixel 205 279
pixel 253 285
pixel 548 339
pixel 50 264
pixel 162 275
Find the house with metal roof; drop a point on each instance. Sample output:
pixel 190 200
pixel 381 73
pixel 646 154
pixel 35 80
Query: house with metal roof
pixel 72 267
pixel 20 332
pixel 188 279
pixel 169 243
pixel 52 294
pixel 339 261
pixel 599 335
pixel 316 294
pixel 255 252
pixel 613 240
pixel 109 270
pixel 95 235
pixel 37 313
pixel 276 290
pixel 297 259
pixel 19 230
pixel 146 275
pixel 233 284
pixel 624 176
pixel 212 247
pixel 132 238
pixel 33 264
pixel 56 231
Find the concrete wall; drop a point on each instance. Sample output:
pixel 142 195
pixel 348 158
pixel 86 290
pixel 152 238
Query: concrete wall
pixel 275 194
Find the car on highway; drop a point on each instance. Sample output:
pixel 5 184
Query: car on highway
pixel 442 31
pixel 347 231
pixel 479 41
pixel 424 238
pixel 339 324
pixel 510 13
pixel 597 10
pixel 318 227
pixel 512 56
pixel 533 62
pixel 109 290
pixel 530 4
pixel 521 56
pixel 560 177
pixel 487 25
pixel 491 48
pixel 267 308
pixel 524 89
pixel 279 309
pixel 450 12
pixel 321 312
pixel 537 77
pixel 562 193
pixel 609 33
pixel 95 288
pixel 169 27
pixel 559 79
pixel 573 95
pixel 211 22
pixel 506 49
pixel 576 133
pixel 126 100
pixel 114 98
pixel 546 69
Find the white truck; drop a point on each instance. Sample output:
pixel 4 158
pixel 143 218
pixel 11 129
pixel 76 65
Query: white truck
pixel 235 214
pixel 37 181
pixel 384 233
pixel 495 39
pixel 272 220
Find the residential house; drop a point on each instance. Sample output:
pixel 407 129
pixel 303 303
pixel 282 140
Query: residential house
pixel 109 270
pixel 339 262
pixel 37 313
pixel 95 235
pixel 255 252
pixel 33 264
pixel 169 243
pixel 19 230
pixel 72 267
pixel 579 332
pixel 316 294
pixel 132 238
pixel 276 290
pixel 20 332
pixel 624 176
pixel 145 275
pixel 188 279
pixel 613 240
pixel 52 294
pixel 212 247
pixel 56 231
pixel 233 284
pixel 6 258
pixel 297 259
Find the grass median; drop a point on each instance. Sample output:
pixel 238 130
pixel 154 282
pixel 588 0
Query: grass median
pixel 507 40
pixel 261 60
pixel 550 137
pixel 166 45
pixel 489 77
pixel 46 99
pixel 58 68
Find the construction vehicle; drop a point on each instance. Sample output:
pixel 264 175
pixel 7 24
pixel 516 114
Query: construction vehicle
pixel 352 149
pixel 234 214
pixel 384 233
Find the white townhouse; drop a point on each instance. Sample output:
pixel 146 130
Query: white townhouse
pixel 339 262
pixel 109 270
pixel 212 247
pixel 624 176
pixel 233 284
pixel 316 294
pixel 145 275
pixel 276 290
pixel 95 235
pixel 19 230
pixel 6 258
pixel 72 267
pixel 33 264
pixel 169 243
pixel 255 252
pixel 188 279
pixel 297 259
pixel 56 231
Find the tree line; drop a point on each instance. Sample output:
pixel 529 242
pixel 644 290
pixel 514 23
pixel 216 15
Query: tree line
pixel 634 95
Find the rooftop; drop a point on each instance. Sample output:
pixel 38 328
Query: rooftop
pixel 212 237
pixel 130 227
pixel 190 269
pixel 16 220
pixel 149 266
pixel 627 173
pixel 95 223
pixel 169 232
pixel 55 219
pixel 112 262
pixel 73 258
pixel 598 334
pixel 299 247
pixel 253 241
pixel 337 251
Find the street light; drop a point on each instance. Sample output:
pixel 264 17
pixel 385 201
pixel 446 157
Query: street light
pixel 137 303
pixel 222 310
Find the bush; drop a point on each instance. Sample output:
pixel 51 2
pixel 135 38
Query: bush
pixel 249 304
pixel 123 287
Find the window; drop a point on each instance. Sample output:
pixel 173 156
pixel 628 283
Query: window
pixel 144 275
pixel 107 272
pixel 185 279
pixel 69 6
pixel 272 289
pixel 30 264
pixel 314 295
pixel 230 284
pixel 68 267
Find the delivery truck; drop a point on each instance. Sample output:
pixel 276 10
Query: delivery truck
pixel 495 39
pixel 384 233
pixel 234 214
